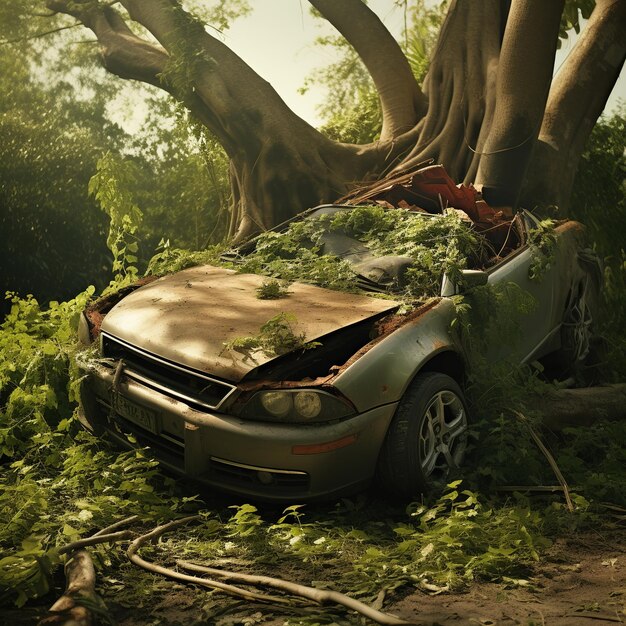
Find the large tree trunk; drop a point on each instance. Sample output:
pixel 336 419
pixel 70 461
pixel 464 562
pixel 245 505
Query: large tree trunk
pixel 577 98
pixel 482 106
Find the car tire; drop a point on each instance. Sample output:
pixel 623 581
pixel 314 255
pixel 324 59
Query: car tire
pixel 579 346
pixel 426 439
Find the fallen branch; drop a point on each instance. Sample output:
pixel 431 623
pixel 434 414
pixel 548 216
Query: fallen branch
pixel 76 605
pixel 80 600
pixel 203 582
pixel 551 461
pixel 581 407
pixel 321 596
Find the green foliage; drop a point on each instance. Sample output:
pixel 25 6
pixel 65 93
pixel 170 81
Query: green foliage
pixel 599 202
pixel 111 188
pixel 436 245
pixel 182 184
pixel 51 233
pixel 276 336
pixel 542 242
pixel 272 290
pixel 168 259
pixel 570 18
pixel 57 483
pixel 364 546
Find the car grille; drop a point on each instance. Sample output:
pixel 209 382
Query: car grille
pixel 183 383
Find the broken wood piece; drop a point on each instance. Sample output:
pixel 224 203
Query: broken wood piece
pixel 75 606
pixel 581 407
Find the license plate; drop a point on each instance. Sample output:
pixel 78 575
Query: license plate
pixel 135 413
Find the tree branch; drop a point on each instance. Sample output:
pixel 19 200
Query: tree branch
pixel 39 35
pixel 123 53
pixel 202 582
pixel 401 99
pixel 524 76
pixel 578 95
pixel 96 539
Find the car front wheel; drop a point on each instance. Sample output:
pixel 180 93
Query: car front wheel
pixel 427 437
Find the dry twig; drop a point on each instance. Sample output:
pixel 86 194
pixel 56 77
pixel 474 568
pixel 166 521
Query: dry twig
pixel 550 458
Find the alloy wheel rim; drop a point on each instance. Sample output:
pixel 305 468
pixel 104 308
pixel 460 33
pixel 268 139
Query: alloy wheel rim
pixel 443 435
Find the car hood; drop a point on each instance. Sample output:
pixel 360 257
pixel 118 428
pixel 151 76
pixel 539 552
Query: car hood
pixel 188 317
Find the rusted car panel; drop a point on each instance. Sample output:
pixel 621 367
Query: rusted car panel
pixel 382 373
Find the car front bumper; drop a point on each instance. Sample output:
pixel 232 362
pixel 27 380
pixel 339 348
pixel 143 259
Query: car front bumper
pixel 269 461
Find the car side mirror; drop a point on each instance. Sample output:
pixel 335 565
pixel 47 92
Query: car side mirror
pixel 469 280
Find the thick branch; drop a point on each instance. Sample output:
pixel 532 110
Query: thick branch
pixel 524 76
pixel 321 596
pixel 123 53
pixel 70 608
pixel 577 97
pixel 401 99
pixel 581 407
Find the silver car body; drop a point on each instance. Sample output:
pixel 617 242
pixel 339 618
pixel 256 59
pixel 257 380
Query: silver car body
pixel 166 340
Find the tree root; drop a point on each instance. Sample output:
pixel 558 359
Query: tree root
pixel 203 582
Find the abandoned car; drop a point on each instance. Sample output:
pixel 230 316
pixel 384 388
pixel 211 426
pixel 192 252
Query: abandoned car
pixel 313 391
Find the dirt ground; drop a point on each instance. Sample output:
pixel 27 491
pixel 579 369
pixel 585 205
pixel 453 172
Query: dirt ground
pixel 582 580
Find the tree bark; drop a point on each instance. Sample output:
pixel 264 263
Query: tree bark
pixel 524 74
pixel 459 87
pixel 578 95
pixel 485 92
pixel 402 102
pixel 581 407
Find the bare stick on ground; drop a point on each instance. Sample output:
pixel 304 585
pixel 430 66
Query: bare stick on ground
pixel 202 582
pixel 321 596
pixel 548 455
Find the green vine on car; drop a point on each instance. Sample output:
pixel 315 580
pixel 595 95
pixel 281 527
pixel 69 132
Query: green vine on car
pixel 276 337
pixel 542 243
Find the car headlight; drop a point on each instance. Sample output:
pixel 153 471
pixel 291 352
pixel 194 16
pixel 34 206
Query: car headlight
pixel 296 405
